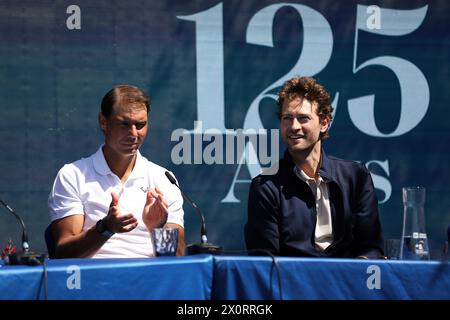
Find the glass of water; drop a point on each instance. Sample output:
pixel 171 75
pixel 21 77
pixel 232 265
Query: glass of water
pixel 165 241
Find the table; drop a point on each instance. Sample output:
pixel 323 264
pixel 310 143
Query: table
pixel 206 277
pixel 329 279
pixel 162 278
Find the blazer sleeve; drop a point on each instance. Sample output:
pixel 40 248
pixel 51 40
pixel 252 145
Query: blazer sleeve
pixel 367 228
pixel 261 231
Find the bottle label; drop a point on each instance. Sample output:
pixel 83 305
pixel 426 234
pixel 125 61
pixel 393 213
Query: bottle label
pixel 419 235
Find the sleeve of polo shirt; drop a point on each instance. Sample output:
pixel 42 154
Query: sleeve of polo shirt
pixel 64 199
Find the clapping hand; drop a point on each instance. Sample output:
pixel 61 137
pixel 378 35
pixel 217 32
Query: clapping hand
pixel 155 209
pixel 117 221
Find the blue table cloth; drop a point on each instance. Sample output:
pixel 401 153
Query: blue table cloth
pixel 316 278
pixel 162 278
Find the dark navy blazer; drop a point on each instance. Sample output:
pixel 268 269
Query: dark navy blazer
pixel 282 211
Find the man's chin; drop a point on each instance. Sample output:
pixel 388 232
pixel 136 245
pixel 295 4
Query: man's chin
pixel 130 151
pixel 296 147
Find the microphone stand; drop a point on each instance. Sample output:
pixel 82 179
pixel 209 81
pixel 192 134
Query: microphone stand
pixel 26 257
pixel 204 246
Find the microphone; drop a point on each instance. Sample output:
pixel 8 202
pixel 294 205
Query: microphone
pixel 27 257
pixel 203 246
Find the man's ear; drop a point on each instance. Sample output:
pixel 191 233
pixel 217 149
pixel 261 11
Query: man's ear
pixel 324 124
pixel 102 121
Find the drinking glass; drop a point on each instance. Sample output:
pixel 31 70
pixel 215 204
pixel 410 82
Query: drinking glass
pixel 165 241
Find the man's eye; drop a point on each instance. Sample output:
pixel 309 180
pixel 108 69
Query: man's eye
pixel 138 125
pixel 141 125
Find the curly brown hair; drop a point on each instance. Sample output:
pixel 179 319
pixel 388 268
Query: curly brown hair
pixel 309 89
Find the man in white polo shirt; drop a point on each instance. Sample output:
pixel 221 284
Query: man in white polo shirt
pixel 105 206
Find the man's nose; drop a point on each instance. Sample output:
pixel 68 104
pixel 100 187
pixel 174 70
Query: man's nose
pixel 295 124
pixel 133 130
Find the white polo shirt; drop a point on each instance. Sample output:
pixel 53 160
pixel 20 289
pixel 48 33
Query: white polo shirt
pixel 84 187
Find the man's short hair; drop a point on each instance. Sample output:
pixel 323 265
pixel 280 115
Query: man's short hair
pixel 123 94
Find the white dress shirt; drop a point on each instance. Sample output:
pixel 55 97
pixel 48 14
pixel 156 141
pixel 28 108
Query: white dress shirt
pixel 324 230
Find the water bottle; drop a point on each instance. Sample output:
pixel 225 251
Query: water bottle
pixel 414 244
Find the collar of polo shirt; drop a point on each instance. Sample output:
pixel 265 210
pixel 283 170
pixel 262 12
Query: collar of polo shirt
pixel 101 166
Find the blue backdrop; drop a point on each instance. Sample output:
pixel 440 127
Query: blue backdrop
pixel 385 63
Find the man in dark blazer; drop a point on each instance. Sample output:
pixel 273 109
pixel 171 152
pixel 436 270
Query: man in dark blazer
pixel 315 205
